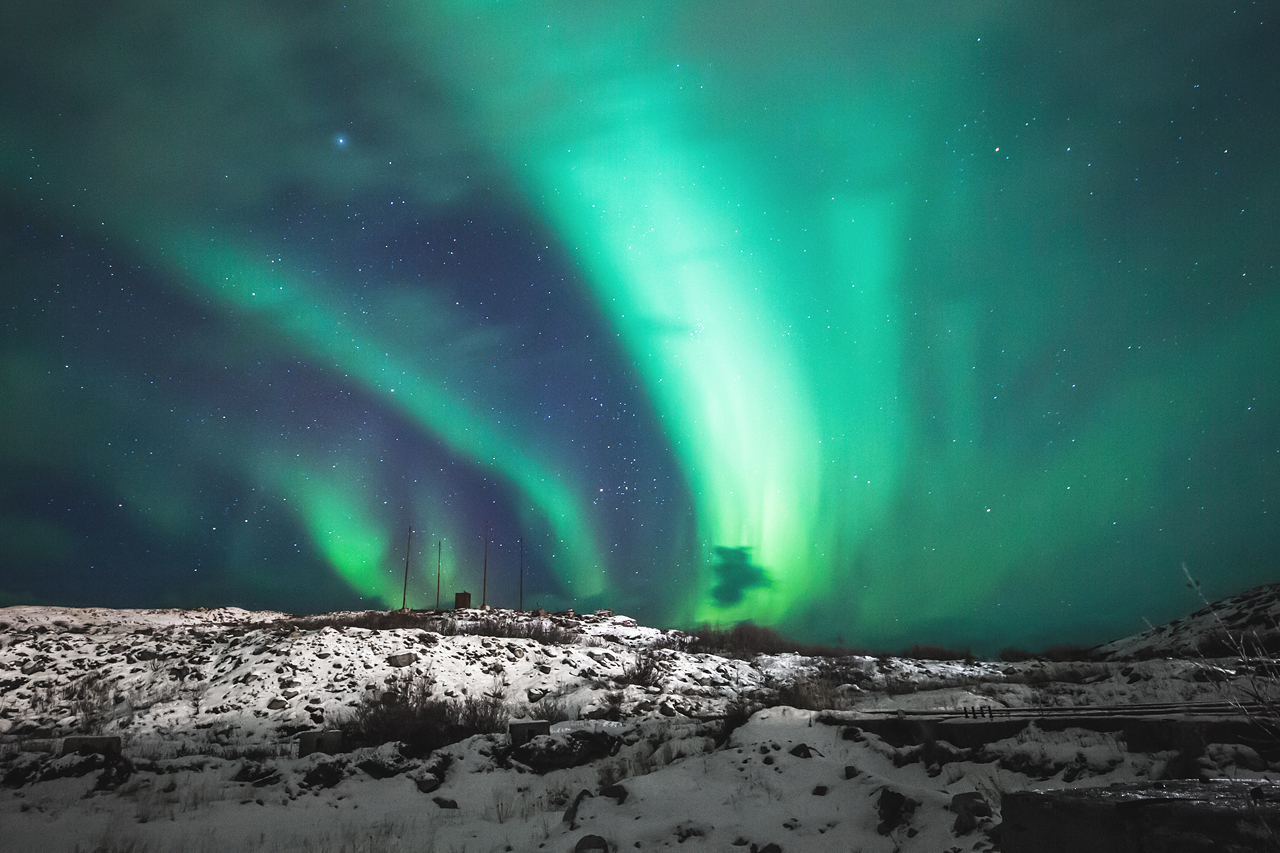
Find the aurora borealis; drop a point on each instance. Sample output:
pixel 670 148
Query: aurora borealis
pixel 874 322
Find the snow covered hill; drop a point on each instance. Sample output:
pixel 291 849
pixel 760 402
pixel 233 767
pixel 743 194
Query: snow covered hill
pixel 1248 622
pixel 651 745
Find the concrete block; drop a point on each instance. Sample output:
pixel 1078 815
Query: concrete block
pixel 329 742
pixel 523 732
pixel 88 745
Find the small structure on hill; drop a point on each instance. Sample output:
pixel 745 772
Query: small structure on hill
pixel 462 601
pixel 328 742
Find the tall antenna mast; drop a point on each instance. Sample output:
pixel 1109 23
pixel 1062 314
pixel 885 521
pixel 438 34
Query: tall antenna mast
pixel 484 583
pixel 521 574
pixel 404 596
pixel 439 551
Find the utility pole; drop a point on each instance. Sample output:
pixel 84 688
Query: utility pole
pixel 439 551
pixel 521 574
pixel 484 584
pixel 404 596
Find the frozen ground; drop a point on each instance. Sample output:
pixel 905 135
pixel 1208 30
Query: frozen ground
pixel 659 748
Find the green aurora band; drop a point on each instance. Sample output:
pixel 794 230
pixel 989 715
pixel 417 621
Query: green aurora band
pixel 390 353
pixel 745 229
pixel 933 364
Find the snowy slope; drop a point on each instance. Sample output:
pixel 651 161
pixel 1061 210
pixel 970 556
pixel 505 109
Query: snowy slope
pixel 1249 622
pixel 208 705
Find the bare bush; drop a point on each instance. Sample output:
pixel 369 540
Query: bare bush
pixel 421 721
pixel 746 640
pixel 542 631
pixel 643 671
pixel 552 708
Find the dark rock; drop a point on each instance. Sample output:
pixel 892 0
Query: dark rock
pixel 380 767
pixel 116 772
pixel 571 813
pixel 768 848
pixel 969 809
pixel 72 766
pixel 689 829
pixel 324 775
pixel 895 810
pixel 591 844
pixel 22 772
pixel 1164 817
pixel 545 752
pixel 258 775
pixel 850 772
pixel 445 803
pixel 276 704
pixel 802 750
pixel 616 792
pixel 402 659
pixel 820 791
pixel 427 783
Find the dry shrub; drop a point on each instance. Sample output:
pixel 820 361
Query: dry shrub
pixel 746 640
pixel 540 630
pixel 422 722
pixel 644 670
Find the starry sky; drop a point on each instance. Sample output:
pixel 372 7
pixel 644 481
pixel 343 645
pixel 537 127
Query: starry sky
pixel 878 323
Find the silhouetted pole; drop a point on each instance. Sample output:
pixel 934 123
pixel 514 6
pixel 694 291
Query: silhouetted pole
pixel 521 574
pixel 484 583
pixel 404 596
pixel 439 552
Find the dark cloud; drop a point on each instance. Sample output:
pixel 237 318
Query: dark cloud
pixel 735 575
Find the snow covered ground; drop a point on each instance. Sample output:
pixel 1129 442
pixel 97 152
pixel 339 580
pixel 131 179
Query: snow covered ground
pixel 659 748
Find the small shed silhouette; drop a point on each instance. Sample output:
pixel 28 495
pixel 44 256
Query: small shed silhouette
pixel 328 742
pixel 462 601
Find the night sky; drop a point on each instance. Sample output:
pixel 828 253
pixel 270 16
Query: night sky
pixel 876 322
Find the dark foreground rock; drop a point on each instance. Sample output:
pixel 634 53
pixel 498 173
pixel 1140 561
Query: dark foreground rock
pixel 1239 816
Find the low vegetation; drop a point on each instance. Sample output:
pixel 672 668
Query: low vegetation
pixel 410 712
pixel 439 622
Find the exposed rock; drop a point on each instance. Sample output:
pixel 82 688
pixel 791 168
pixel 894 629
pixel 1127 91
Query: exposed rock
pixel 445 803
pixel 257 774
pixel 571 813
pixel 591 844
pixel 324 775
pixel 402 659
pixel 895 810
pixel 553 752
pixel 969 809
pixel 616 792
pixel 1165 817
pixel 380 767
pixel 690 829
pixel 427 782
